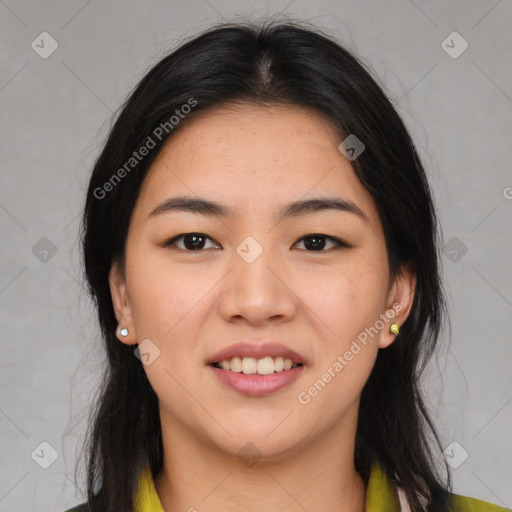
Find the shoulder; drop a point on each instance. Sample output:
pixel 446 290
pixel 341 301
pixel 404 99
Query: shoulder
pixel 78 508
pixel 458 503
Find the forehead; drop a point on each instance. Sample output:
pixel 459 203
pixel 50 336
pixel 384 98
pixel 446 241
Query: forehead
pixel 256 131
pixel 253 156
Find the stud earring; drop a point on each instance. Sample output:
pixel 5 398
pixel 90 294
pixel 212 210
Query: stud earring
pixel 394 329
pixel 124 332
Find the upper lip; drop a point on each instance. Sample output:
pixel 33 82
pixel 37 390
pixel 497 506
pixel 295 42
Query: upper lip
pixel 257 351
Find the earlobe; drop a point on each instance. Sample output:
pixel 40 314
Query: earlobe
pixel 399 304
pixel 126 330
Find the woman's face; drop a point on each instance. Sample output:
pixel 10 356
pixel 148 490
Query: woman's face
pixel 257 278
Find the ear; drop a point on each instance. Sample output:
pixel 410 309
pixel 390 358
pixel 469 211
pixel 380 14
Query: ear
pixel 122 305
pixel 399 303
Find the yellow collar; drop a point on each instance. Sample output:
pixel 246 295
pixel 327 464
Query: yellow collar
pixel 380 493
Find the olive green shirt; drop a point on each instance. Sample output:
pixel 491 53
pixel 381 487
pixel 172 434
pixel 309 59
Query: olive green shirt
pixel 381 496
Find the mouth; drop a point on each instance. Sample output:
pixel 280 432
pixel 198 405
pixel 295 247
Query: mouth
pixel 256 377
pixel 256 369
pixel 256 366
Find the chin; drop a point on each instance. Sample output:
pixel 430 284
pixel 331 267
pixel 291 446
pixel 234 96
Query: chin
pixel 250 444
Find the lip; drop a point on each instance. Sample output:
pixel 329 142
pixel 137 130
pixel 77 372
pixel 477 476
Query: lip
pixel 257 351
pixel 257 385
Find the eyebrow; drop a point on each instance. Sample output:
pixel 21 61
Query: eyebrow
pixel 209 208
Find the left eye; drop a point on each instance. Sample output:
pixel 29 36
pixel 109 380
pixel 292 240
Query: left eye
pixel 196 241
pixel 317 242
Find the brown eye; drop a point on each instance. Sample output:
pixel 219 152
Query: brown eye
pixel 191 241
pixel 317 242
pixel 197 241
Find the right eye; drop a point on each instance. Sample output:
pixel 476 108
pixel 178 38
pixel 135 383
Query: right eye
pixel 191 241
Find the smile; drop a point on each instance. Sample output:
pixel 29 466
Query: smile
pixel 262 366
pixel 256 384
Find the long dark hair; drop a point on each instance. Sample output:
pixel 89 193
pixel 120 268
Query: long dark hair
pixel 273 62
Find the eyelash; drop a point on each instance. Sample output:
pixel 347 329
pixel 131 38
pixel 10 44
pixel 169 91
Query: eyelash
pixel 339 243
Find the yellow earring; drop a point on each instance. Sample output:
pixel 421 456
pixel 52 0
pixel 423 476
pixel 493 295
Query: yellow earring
pixel 394 329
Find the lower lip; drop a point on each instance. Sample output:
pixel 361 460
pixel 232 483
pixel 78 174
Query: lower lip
pixel 258 385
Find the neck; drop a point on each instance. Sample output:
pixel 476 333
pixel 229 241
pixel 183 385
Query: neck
pixel 197 476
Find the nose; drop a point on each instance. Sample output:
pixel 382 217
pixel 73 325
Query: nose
pixel 259 292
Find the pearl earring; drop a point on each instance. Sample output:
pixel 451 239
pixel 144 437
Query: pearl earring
pixel 124 332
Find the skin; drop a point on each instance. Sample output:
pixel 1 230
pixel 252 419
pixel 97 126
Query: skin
pixel 191 304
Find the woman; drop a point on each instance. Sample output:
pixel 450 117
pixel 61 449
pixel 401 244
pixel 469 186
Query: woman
pixel 260 240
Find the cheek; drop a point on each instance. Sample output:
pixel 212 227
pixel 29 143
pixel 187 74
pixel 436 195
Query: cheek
pixel 333 392
pixel 350 298
pixel 350 303
pixel 162 294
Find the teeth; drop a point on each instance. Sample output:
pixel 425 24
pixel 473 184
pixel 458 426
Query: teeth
pixel 235 365
pixel 266 366
pixel 251 365
pixel 226 366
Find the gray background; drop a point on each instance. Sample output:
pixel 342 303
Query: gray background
pixel 55 113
